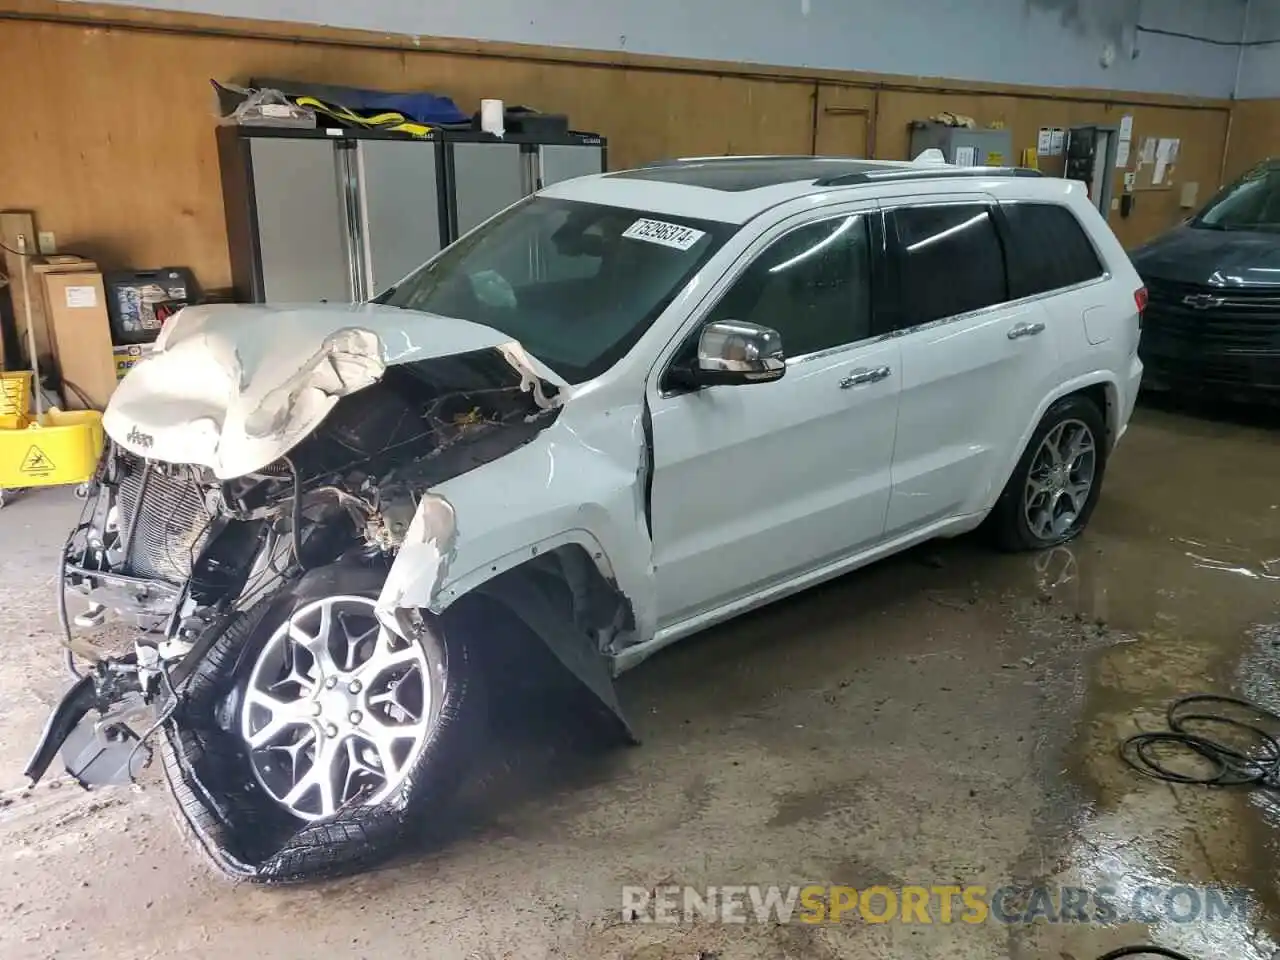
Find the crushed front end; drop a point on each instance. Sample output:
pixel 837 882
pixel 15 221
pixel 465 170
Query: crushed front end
pixel 294 726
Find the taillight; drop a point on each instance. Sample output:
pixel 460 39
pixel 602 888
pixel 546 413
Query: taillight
pixel 1140 299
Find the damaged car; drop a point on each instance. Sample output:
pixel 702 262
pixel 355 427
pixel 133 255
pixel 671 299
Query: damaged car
pixel 625 409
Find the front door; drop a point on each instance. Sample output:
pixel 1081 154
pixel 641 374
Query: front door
pixel 974 364
pixel 756 484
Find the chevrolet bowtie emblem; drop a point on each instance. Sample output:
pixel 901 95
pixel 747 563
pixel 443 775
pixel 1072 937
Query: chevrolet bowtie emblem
pixel 1203 301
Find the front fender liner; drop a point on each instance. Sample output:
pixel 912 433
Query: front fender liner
pixel 570 644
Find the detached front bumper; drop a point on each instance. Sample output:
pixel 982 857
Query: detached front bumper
pixel 96 727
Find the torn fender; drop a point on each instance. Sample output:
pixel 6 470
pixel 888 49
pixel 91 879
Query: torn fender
pixel 566 486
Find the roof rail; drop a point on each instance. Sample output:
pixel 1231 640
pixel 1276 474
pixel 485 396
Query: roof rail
pixel 676 161
pixel 923 173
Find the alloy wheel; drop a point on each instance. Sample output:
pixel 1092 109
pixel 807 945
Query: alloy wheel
pixel 336 710
pixel 1060 479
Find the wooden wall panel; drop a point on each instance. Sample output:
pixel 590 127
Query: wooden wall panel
pixel 114 146
pixel 1202 132
pixel 115 151
pixel 844 121
pixel 1255 135
pixel 1204 137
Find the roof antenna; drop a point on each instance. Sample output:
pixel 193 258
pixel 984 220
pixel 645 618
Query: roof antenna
pixel 931 156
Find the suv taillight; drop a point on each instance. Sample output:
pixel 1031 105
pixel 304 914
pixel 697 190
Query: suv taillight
pixel 1140 299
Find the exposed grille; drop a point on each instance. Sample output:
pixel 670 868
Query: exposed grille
pixel 1224 320
pixel 171 523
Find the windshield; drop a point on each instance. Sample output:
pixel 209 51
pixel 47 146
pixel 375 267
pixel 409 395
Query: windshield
pixel 1251 203
pixel 576 283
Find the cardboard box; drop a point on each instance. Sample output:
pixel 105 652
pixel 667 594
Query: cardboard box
pixel 81 336
pixel 39 294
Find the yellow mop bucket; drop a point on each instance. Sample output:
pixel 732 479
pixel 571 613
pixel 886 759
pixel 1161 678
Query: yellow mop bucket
pixel 15 393
pixel 62 446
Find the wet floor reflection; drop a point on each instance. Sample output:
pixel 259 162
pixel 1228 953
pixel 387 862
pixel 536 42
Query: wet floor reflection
pixel 1183 556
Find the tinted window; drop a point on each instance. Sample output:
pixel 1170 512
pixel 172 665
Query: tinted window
pixel 576 283
pixel 1048 249
pixel 950 261
pixel 813 286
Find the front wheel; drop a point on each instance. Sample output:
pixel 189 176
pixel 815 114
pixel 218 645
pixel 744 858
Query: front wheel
pixel 309 741
pixel 1055 486
pixel 338 712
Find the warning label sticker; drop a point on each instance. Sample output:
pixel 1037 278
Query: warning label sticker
pixel 36 463
pixel 668 234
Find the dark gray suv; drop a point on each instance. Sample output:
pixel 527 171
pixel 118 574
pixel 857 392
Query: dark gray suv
pixel 1212 323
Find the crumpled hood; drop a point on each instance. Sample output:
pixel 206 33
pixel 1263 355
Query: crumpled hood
pixel 234 387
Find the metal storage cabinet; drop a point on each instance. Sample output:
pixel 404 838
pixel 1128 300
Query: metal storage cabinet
pixel 317 217
pixel 302 227
pixel 400 209
pixel 341 215
pixel 557 162
pixel 981 148
pixel 486 175
pixel 486 178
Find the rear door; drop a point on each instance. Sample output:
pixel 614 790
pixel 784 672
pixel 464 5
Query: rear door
pixel 1050 256
pixel 975 363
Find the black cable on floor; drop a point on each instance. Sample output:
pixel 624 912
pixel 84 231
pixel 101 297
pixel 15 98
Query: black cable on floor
pixel 1144 952
pixel 1230 766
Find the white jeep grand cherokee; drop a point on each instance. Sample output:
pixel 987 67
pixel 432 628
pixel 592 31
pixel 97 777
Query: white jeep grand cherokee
pixel 625 409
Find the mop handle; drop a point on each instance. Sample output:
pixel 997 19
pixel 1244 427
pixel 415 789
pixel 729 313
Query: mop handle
pixel 31 327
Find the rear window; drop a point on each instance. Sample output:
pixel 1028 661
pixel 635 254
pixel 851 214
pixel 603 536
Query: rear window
pixel 950 261
pixel 1048 249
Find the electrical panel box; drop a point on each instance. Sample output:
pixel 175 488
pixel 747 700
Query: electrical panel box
pixel 1091 159
pixel 962 146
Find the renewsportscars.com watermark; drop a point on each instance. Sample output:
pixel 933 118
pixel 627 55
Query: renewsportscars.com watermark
pixel 942 904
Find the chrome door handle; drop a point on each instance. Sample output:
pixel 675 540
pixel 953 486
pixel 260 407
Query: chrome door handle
pixel 862 375
pixel 1026 330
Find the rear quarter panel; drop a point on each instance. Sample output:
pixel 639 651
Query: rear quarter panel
pixel 1095 326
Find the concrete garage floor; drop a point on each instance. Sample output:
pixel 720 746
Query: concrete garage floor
pixel 949 716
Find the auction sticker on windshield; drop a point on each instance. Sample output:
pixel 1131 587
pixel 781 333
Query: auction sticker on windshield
pixel 668 234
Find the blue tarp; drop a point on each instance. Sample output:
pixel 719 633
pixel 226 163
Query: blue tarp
pixel 428 108
pixel 423 107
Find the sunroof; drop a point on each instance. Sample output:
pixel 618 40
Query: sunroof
pixel 749 174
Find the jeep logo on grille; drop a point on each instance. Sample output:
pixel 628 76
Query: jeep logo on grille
pixel 139 439
pixel 1203 301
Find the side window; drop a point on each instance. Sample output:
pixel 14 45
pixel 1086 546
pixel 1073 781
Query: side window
pixel 949 261
pixel 812 285
pixel 1048 249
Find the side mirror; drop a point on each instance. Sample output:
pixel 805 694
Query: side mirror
pixel 735 352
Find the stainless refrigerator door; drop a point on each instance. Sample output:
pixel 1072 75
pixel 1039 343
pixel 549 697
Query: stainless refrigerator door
pixel 558 162
pixel 400 209
pixel 487 177
pixel 302 223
